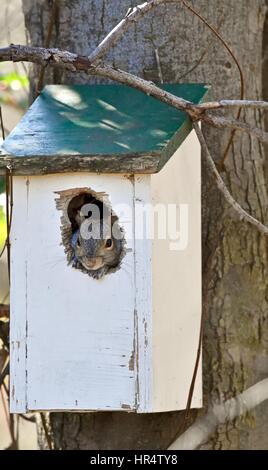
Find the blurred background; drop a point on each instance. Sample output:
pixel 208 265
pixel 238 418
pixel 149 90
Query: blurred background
pixel 14 103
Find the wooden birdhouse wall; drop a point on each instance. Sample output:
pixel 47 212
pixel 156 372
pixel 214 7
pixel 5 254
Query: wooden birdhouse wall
pixel 78 332
pixel 124 342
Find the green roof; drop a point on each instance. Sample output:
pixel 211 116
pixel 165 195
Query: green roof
pixel 107 128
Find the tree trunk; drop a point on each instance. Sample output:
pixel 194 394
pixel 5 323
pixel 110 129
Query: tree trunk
pixel 235 273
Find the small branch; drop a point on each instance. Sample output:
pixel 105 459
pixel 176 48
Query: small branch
pixel 159 68
pixel 202 56
pixel 222 187
pixel 212 105
pixel 9 211
pixel 75 63
pixel 223 123
pixel 46 431
pixel 190 70
pixel 29 419
pixel 4 373
pixel 224 43
pixel 149 88
pixel 132 16
pixel 2 124
pixel 242 82
pixel 205 426
pixel 51 23
pixel 43 56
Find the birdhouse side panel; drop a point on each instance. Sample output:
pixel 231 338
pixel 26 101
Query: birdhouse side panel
pixel 176 279
pixel 80 330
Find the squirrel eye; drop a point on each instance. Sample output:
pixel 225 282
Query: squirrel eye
pixel 109 243
pixel 78 242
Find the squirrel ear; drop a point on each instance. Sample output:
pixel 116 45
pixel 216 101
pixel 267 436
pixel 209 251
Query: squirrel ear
pixel 114 219
pixel 79 218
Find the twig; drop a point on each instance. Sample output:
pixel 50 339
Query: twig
pixel 5 411
pixel 48 437
pixel 75 63
pixel 9 211
pixel 184 423
pixel 215 105
pixel 4 373
pixel 51 23
pixel 223 123
pixel 190 70
pixel 204 427
pixel 4 298
pixel 242 83
pixel 8 37
pixel 222 187
pixel 30 419
pixel 3 249
pixel 159 68
pixel 9 420
pixel 199 61
pixel 224 43
pixel 2 124
pixel 132 16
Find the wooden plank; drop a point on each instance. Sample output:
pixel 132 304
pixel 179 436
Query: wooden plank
pixel 80 330
pixel 133 163
pixel 143 306
pixel 107 128
pixel 176 279
pixel 18 296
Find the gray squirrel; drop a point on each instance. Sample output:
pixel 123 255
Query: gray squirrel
pixel 93 255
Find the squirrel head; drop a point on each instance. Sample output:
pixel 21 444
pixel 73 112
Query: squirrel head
pixel 97 246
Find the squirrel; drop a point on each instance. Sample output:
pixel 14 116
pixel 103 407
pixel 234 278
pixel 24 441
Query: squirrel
pixel 96 255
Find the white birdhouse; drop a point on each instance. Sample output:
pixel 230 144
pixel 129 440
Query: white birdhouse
pixel 110 323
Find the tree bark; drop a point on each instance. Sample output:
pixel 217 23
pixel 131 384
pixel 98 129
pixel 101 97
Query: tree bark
pixel 235 281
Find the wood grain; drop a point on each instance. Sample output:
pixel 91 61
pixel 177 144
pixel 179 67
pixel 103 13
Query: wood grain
pixel 100 128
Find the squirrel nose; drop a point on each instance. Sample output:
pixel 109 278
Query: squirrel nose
pixel 91 263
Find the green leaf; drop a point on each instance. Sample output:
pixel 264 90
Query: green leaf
pixel 11 78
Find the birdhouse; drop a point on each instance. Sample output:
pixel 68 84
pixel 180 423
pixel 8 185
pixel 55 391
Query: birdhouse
pixel 111 321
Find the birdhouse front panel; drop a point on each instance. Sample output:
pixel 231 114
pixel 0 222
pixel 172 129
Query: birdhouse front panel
pixel 109 322
pixel 78 331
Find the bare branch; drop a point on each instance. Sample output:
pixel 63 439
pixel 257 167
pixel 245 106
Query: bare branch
pixel 242 82
pixel 75 63
pixel 2 124
pixel 132 16
pixel 212 105
pixel 224 43
pixel 51 24
pixel 223 123
pixel 204 427
pixel 40 55
pixel 159 68
pixel 149 88
pixel 222 187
